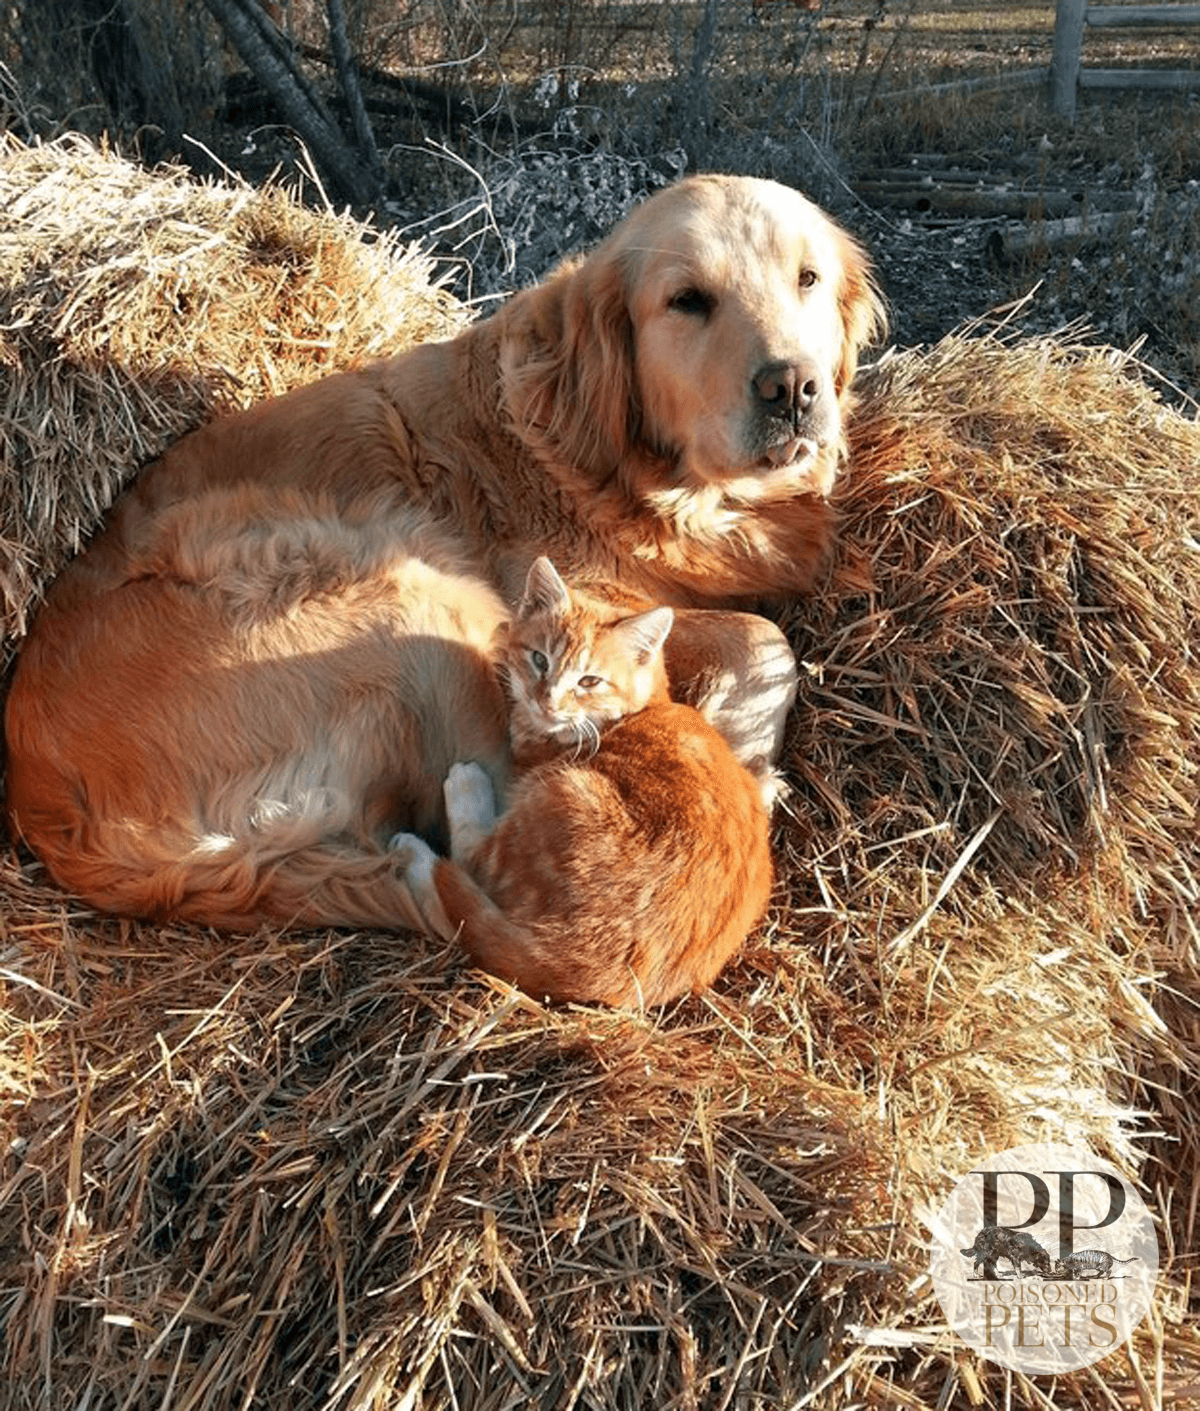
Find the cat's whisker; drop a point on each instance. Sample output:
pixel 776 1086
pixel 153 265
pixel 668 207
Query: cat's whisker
pixel 590 733
pixel 585 734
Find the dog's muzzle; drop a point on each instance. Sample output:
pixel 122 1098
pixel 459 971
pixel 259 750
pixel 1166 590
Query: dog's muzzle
pixel 795 411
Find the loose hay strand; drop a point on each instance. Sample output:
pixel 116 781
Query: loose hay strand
pixel 337 1171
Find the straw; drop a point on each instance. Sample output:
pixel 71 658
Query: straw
pixel 342 1170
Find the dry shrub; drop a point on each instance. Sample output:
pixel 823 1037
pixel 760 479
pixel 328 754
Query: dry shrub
pixel 339 1170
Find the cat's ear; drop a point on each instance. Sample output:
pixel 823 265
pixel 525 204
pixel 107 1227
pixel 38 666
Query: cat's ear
pixel 544 590
pixel 645 634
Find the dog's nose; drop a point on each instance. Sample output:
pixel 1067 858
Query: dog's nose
pixel 788 389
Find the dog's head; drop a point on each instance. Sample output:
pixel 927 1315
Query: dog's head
pixel 710 340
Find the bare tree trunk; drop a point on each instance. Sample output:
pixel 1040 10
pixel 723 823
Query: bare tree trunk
pixel 1070 16
pixel 347 72
pixel 135 90
pixel 261 50
pixel 285 50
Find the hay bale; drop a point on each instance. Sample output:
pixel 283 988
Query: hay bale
pixel 134 306
pixel 338 1170
pixel 1013 628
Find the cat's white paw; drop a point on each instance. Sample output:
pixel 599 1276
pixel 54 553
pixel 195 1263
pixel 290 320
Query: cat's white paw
pixel 418 860
pixel 470 808
pixel 772 786
pixel 412 846
pixel 469 796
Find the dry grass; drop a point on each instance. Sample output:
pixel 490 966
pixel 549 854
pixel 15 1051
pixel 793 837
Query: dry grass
pixel 339 1170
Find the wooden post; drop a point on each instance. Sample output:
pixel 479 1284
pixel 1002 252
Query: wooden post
pixel 1105 16
pixel 1068 45
pixel 1159 80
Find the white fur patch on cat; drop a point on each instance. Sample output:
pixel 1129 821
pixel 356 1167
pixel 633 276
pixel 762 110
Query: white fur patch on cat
pixel 418 860
pixel 470 808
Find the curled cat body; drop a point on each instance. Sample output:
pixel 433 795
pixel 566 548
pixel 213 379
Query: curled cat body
pixel 633 856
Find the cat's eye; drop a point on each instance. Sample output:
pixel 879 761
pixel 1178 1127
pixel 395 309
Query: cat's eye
pixel 589 683
pixel 808 277
pixel 539 661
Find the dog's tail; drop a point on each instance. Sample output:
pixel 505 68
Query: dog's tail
pixel 325 884
pixel 288 867
pixel 528 956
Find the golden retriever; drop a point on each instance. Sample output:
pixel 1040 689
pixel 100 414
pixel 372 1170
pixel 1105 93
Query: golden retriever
pixel 267 661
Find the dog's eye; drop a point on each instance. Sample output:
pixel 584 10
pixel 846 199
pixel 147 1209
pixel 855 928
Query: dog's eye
pixel 692 301
pixel 540 664
pixel 589 683
pixel 808 277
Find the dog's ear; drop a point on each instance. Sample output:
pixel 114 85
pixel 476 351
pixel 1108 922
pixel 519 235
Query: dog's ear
pixel 568 364
pixel 864 318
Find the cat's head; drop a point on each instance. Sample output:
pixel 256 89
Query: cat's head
pixel 575 664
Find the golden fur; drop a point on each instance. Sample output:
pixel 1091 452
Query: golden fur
pixel 633 855
pixel 268 659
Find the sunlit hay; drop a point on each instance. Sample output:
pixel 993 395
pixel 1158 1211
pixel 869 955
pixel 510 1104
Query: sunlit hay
pixel 341 1170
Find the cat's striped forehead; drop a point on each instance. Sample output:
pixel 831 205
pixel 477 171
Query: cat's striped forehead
pixel 566 642
pixel 569 639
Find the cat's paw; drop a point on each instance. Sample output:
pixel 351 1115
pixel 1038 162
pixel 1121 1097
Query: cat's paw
pixel 418 860
pixel 470 807
pixel 772 786
pixel 469 796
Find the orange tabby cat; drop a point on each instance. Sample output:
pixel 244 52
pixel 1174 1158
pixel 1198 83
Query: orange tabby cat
pixel 633 856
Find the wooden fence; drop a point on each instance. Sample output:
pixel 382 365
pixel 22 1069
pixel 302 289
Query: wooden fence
pixel 1067 74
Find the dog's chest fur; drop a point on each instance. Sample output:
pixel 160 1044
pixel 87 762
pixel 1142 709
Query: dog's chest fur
pixel 626 521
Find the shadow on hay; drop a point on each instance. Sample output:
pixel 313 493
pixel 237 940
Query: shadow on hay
pixel 73 437
pixel 349 1166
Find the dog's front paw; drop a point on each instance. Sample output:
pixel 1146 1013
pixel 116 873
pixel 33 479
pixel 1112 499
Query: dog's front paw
pixel 470 808
pixel 418 860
